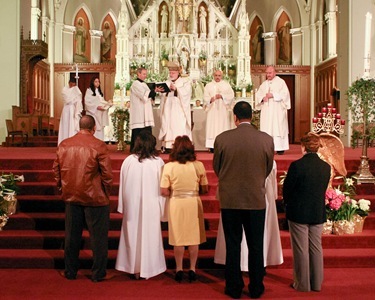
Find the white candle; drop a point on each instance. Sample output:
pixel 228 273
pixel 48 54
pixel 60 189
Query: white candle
pixel 367 45
pixel 77 74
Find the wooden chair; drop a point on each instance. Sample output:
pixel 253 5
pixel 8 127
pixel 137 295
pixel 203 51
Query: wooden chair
pixel 14 133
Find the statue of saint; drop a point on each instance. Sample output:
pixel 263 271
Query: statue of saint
pixel 283 34
pixel 202 21
pixel 164 19
pixel 80 37
pixel 106 42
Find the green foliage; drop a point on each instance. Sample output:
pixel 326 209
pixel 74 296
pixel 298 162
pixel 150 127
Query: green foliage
pixel 249 87
pixel 8 186
pixel 117 86
pixel 164 55
pixel 202 55
pixel 361 103
pixel 206 79
pixel 120 121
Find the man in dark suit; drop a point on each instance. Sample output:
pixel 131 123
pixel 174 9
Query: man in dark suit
pixel 243 158
pixel 304 195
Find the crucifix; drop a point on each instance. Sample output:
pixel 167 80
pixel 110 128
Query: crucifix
pixel 183 8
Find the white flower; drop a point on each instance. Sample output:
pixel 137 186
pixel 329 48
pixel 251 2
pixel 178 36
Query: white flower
pixel 364 204
pixel 349 182
pixel 19 178
pixel 354 203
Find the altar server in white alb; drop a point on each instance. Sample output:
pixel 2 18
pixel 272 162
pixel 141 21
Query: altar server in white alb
pixel 175 107
pixel 218 97
pixel 273 100
pixel 272 251
pixel 141 97
pixel 71 113
pixel 141 250
pixel 96 106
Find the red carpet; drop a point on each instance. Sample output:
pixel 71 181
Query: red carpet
pixel 339 284
pixel 32 242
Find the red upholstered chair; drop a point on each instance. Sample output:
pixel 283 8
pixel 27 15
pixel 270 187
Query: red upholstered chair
pixel 14 133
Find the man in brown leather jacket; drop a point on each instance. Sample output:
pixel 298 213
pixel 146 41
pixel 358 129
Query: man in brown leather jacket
pixel 83 173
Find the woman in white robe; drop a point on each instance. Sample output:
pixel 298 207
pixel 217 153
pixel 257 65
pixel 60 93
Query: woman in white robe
pixel 141 251
pixel 272 251
pixel 96 106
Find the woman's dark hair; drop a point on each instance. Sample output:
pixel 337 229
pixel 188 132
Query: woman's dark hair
pixel 311 142
pixel 144 146
pixel 183 150
pixel 92 86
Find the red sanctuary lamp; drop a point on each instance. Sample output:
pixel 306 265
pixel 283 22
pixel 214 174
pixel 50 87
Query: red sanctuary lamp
pixel 328 120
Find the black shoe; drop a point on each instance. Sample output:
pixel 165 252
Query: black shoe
pixel 178 276
pixel 211 150
pixel 280 152
pixel 192 276
pixel 68 276
pixel 256 293
pixel 106 277
pixel 234 295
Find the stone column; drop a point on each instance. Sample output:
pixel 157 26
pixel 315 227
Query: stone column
pixel 330 19
pixel 95 36
pixel 270 48
pixel 68 44
pixel 297 46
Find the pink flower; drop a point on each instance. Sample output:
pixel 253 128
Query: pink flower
pixel 334 199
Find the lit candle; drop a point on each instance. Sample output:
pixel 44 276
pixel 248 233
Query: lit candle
pixel 342 122
pixel 315 120
pixel 319 115
pixel 333 109
pixel 367 45
pixel 324 109
pixel 76 71
pixel 329 105
pixel 338 116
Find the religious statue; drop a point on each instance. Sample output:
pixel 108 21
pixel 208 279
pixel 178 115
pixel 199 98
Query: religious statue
pixel 283 34
pixel 202 21
pixel 257 43
pixel 184 60
pixel 164 19
pixel 106 42
pixel 80 37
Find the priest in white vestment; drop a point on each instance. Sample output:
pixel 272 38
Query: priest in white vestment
pixel 141 251
pixel 71 113
pixel 273 100
pixel 272 251
pixel 218 97
pixel 175 107
pixel 97 106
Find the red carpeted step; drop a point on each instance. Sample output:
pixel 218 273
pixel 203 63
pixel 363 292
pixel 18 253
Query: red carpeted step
pixel 47 259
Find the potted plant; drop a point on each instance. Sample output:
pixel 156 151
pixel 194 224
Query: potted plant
pixel 249 88
pixel 120 121
pixel 128 86
pixel 202 59
pixel 164 57
pixel 231 69
pixel 8 192
pixel 238 91
pixel 361 103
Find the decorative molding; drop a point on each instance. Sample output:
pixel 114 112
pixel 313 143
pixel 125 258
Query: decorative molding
pixel 269 35
pixel 98 33
pixel 87 67
pixel 294 31
pixel 69 28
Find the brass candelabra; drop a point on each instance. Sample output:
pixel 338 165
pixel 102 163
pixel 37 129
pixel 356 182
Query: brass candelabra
pixel 328 121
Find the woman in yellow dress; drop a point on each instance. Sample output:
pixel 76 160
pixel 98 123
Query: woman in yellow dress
pixel 182 180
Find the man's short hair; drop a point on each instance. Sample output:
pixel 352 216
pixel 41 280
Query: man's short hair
pixel 140 69
pixel 243 110
pixel 87 122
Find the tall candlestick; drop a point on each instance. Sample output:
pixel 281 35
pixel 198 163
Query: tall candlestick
pixel 367 45
pixel 77 74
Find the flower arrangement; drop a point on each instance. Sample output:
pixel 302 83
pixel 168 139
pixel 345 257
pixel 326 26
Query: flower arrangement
pixel 164 55
pixel 202 55
pixel 341 206
pixel 232 67
pixel 249 88
pixel 133 64
pixel 8 189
